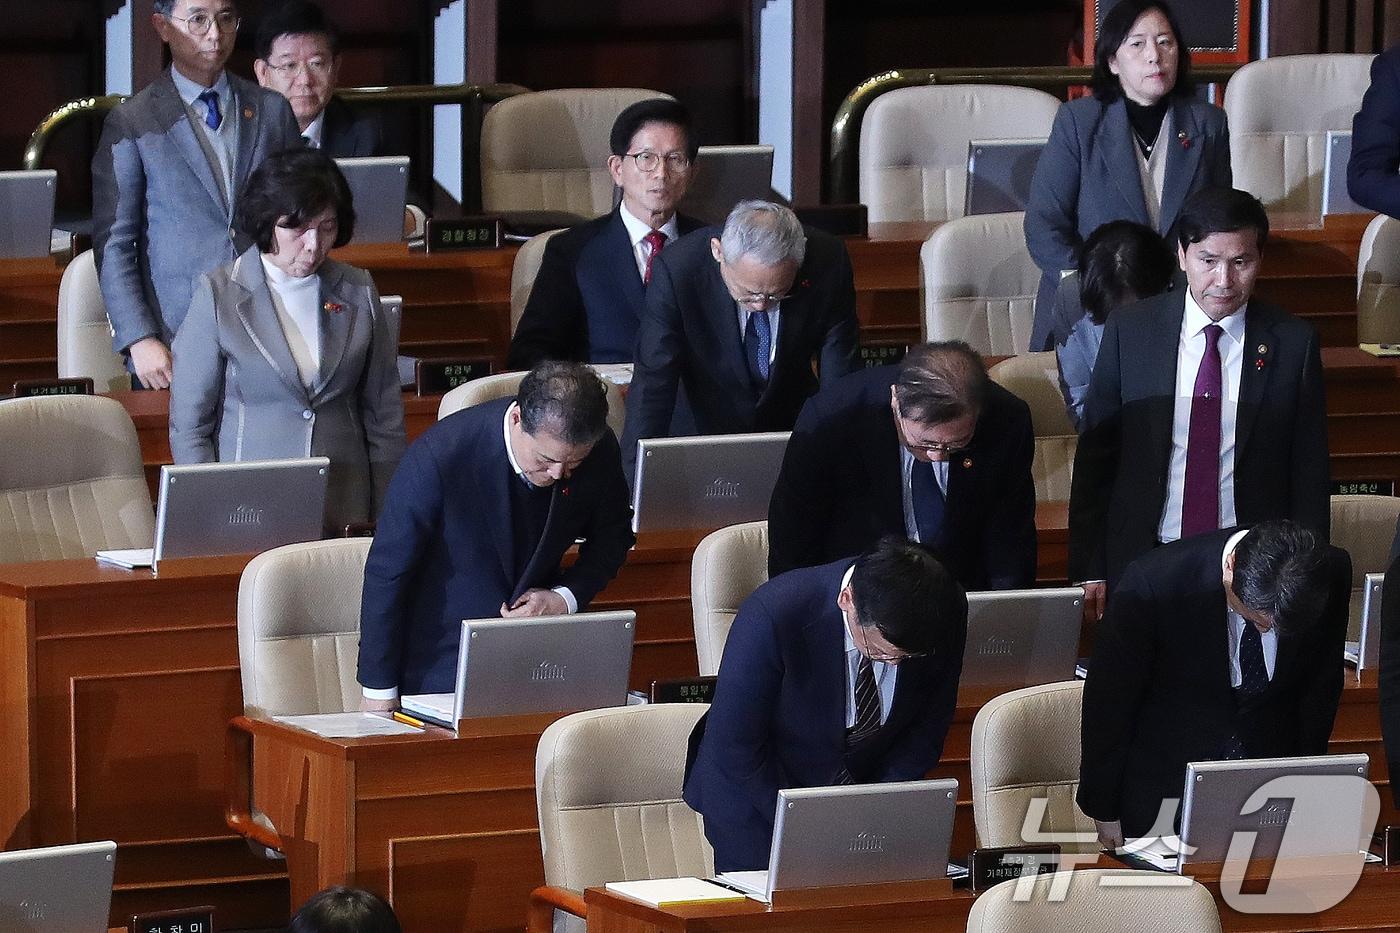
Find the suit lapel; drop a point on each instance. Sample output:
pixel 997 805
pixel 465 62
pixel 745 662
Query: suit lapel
pixel 1259 352
pixel 621 262
pixel 491 478
pixel 722 323
pixel 249 116
pixel 1117 151
pixel 1159 362
pixel 171 112
pixel 337 318
pixel 1183 160
pixel 884 469
pixel 559 495
pixel 827 648
pixel 259 319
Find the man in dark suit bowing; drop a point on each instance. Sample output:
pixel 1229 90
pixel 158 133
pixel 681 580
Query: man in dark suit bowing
pixel 736 317
pixel 587 298
pixel 839 674
pixel 1390 672
pixel 475 522
pixel 1224 645
pixel 931 449
pixel 1205 409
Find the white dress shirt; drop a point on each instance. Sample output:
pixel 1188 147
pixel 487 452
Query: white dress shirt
pixel 312 133
pixel 1191 348
pixel 1237 623
pixel 224 140
pixel 885 674
pixel 636 234
pixel 298 304
pixel 906 474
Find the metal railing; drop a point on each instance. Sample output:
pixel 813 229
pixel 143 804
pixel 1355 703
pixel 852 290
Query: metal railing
pixel 843 169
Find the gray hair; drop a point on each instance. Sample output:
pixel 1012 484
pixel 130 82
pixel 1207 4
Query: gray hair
pixel 941 382
pixel 163 7
pixel 766 232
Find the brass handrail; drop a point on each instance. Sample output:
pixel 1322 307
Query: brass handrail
pixel 843 186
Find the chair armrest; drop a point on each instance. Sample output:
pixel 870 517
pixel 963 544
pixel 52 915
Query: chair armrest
pixel 544 900
pixel 238 785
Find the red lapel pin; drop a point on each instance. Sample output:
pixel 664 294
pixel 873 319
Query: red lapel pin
pixel 332 307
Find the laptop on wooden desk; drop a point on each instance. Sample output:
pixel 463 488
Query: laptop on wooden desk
pixel 705 482
pixel 59 889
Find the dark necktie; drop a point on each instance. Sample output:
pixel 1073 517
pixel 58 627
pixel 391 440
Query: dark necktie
pixel 1200 503
pixel 758 345
pixel 654 239
pixel 310 143
pixel 1254 678
pixel 929 504
pixel 212 117
pixel 867 703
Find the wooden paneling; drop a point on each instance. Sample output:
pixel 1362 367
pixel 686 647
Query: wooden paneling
pixel 1306 26
pixel 435 870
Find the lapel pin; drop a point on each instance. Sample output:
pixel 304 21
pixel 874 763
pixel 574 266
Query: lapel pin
pixel 332 307
pixel 1184 139
pixel 1259 364
pixel 967 463
pixel 247 113
pixel 1263 349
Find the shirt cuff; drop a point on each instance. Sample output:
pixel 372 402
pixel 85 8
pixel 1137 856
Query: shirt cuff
pixel 387 693
pixel 569 600
pixel 1066 273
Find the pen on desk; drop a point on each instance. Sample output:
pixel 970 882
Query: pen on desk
pixel 407 720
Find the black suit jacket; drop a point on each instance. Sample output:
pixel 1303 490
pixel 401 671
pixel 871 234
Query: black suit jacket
pixel 1375 139
pixel 1158 693
pixel 586 303
pixel 443 549
pixel 690 336
pixel 348 134
pixel 1124 455
pixel 841 486
pixel 1390 672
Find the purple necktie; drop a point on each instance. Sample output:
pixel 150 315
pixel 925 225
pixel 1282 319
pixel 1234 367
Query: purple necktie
pixel 1200 505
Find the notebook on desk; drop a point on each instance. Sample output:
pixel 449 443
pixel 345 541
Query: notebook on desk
pixel 59 889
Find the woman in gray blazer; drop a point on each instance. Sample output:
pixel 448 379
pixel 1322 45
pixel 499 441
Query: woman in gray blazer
pixel 1135 150
pixel 285 353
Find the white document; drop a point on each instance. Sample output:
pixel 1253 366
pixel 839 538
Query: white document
pixel 752 883
pixel 348 725
pixel 663 892
pixel 129 558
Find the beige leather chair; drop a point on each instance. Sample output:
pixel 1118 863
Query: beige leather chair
pixel 1280 110
pixel 978 283
pixel 913 143
pixel 728 565
pixel 548 150
pixel 299 628
pixel 71 479
pixel 1025 748
pixel 523 272
pixel 608 785
pixel 1097 900
pixel 1034 378
pixel 1378 282
pixel 84 336
pixel 1364 527
pixel 501 385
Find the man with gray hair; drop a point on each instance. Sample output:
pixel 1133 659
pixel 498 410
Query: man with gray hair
pixel 737 317
pixel 930 449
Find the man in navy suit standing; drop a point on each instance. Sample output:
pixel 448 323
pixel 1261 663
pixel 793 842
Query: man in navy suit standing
pixel 475 522
pixel 839 674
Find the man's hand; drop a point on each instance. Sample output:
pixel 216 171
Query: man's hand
pixel 1110 834
pixel 377 706
pixel 536 602
pixel 151 360
pixel 1094 593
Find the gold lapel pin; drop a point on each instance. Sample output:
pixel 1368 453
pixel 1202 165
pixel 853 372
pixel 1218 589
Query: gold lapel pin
pixel 967 463
pixel 1263 349
pixel 247 113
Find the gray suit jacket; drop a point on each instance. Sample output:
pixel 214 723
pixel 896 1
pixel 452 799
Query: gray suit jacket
pixel 1088 175
pixel 236 394
pixel 159 213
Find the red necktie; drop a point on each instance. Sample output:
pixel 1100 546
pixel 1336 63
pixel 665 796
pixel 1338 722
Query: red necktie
pixel 1200 501
pixel 655 239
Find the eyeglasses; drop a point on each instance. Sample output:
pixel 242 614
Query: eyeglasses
pixel 648 161
pixel 316 66
pixel 198 24
pixel 932 447
pixel 746 297
pixel 893 657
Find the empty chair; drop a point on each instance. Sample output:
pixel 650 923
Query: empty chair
pixel 913 143
pixel 608 786
pixel 1364 526
pixel 978 283
pixel 523 272
pixel 1025 749
pixel 503 385
pixel 728 565
pixel 1280 110
pixel 1097 900
pixel 1378 282
pixel 548 150
pixel 1034 378
pixel 71 479
pixel 84 335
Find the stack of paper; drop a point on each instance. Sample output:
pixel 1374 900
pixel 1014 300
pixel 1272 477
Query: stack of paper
pixel 668 892
pixel 348 725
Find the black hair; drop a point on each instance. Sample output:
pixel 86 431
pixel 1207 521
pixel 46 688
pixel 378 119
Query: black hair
pixel 940 382
pixel 902 590
pixel 296 184
pixel 567 399
pixel 1122 262
pixel 1282 570
pixel 1221 210
pixel 345 910
pixel 1113 32
pixel 653 110
pixel 294 18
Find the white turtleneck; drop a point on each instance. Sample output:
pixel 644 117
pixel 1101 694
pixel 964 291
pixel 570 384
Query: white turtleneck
pixel 298 304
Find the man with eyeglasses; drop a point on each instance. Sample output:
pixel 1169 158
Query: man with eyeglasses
pixel 167 171
pixel 736 317
pixel 298 56
pixel 588 294
pixel 929 448
pixel 839 674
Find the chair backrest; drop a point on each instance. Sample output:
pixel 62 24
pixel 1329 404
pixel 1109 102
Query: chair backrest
pixel 1034 378
pixel 608 786
pixel 84 336
pixel 978 283
pixel 523 272
pixel 913 143
pixel 71 479
pixel 1096 900
pixel 1378 282
pixel 1025 749
pixel 1363 526
pixel 299 628
pixel 503 385
pixel 728 565
pixel 548 150
pixel 1280 110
